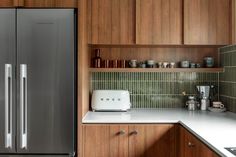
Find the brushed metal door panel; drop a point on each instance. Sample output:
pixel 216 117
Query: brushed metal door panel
pixel 45 44
pixel 7 56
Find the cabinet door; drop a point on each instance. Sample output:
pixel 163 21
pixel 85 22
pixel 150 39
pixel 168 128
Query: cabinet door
pixel 207 22
pixel 49 3
pixel 152 140
pixel 111 21
pixel 203 150
pixel 105 141
pixel 185 138
pixel 159 21
pixel 190 146
pixel 8 3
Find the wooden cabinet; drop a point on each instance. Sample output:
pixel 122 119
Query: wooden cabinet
pixel 49 3
pixel 158 140
pixel 159 22
pixel 105 141
pixel 207 22
pixel 8 3
pixel 190 146
pixel 129 140
pixel 111 21
pixel 40 3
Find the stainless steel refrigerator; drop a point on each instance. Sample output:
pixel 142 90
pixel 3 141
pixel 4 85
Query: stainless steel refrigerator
pixel 37 74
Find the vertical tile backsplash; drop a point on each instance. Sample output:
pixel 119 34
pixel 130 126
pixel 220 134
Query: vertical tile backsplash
pixel 153 90
pixel 228 78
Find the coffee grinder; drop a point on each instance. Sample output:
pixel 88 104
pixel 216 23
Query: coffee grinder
pixel 204 95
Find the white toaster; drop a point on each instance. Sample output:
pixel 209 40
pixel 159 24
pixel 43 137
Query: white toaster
pixel 111 100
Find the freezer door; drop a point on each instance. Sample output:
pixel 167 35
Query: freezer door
pixel 45 46
pixel 7 80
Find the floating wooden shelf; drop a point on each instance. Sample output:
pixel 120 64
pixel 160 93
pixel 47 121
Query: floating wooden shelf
pixel 151 46
pixel 200 70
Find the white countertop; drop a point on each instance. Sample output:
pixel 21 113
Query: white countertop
pixel 217 130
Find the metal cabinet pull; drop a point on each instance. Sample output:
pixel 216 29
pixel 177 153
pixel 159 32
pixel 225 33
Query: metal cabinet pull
pixel 190 144
pixel 8 105
pixel 23 105
pixel 122 132
pixel 135 132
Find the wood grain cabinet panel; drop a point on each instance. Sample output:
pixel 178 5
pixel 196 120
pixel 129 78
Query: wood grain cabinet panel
pixel 8 3
pixel 49 3
pixel 105 141
pixel 152 140
pixel 190 146
pixel 129 140
pixel 207 22
pixel 159 21
pixel 111 21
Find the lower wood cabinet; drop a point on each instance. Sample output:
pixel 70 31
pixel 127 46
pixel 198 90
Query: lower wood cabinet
pixel 157 140
pixel 190 146
pixel 141 140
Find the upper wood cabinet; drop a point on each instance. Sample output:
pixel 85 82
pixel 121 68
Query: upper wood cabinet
pixel 49 3
pixel 111 21
pixel 159 22
pixel 207 22
pixel 8 3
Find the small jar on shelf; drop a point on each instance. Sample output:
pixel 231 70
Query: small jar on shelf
pixel 97 60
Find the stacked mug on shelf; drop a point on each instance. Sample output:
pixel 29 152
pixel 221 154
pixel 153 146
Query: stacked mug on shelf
pixel 97 62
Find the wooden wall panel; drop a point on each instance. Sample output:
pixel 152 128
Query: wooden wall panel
pixel 158 21
pixel 50 3
pixel 111 21
pixel 207 22
pixel 82 73
pixel 159 54
pixel 233 21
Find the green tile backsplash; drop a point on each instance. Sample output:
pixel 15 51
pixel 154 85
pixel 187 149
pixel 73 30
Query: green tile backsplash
pixel 153 90
pixel 228 78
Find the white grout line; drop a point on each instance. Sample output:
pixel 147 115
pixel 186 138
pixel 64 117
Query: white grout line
pixel 228 96
pixel 226 46
pixel 232 51
pixel 163 94
pixel 229 66
pixel 227 82
pixel 174 81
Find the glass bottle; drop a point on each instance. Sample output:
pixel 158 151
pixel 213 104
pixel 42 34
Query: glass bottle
pixel 97 59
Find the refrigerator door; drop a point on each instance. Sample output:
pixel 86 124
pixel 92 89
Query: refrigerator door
pixel 45 46
pixel 7 80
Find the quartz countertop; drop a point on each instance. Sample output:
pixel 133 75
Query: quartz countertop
pixel 217 130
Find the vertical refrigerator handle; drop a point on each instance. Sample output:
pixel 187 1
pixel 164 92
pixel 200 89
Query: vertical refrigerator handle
pixel 8 106
pixel 23 106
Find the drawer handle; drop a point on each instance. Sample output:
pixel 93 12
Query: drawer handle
pixel 135 132
pixel 122 132
pixel 190 144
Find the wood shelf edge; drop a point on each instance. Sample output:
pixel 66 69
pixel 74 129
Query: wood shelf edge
pixel 153 46
pixel 200 70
